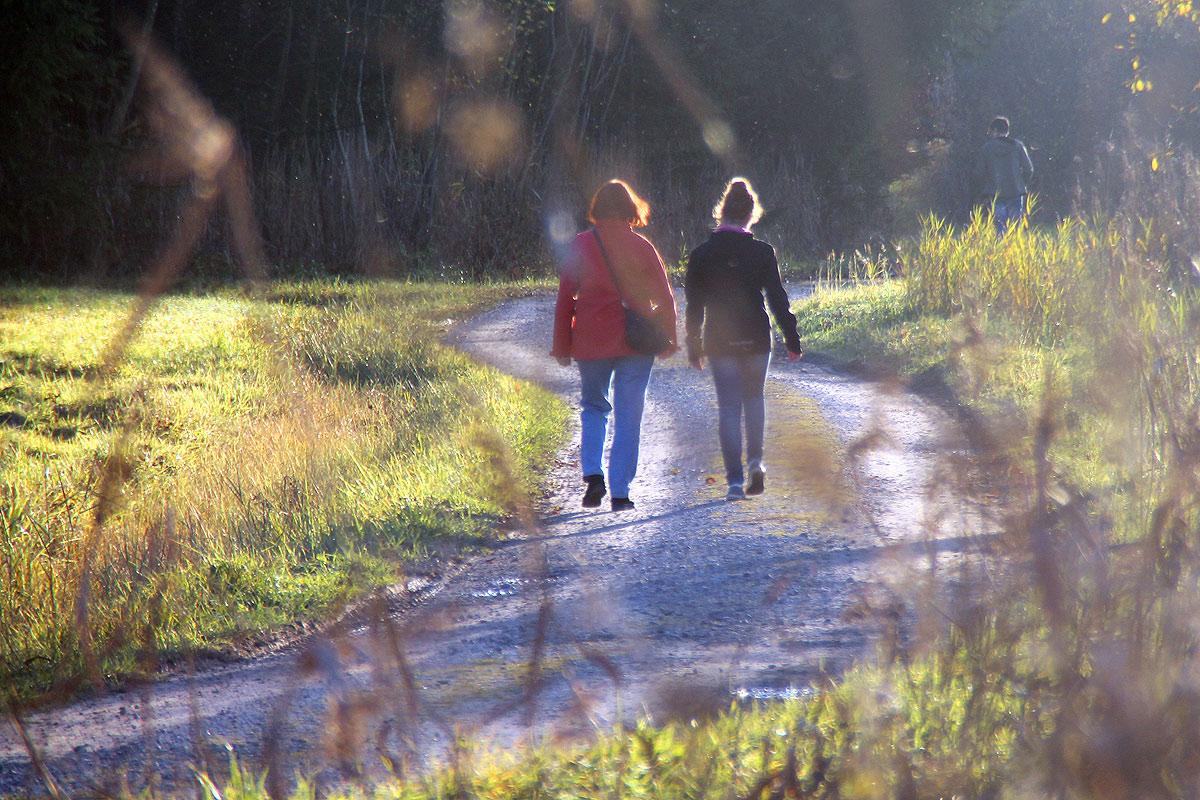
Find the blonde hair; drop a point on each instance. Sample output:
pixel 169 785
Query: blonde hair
pixel 739 203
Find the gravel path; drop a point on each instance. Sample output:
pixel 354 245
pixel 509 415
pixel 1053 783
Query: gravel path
pixel 668 611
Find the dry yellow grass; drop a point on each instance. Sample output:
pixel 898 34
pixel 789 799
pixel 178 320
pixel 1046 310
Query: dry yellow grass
pixel 265 458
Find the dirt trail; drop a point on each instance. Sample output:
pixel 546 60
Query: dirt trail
pixel 670 609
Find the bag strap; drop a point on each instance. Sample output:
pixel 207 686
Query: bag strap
pixel 612 273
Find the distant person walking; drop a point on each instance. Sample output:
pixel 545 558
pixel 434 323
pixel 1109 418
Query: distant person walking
pixel 727 277
pixel 1002 174
pixel 615 314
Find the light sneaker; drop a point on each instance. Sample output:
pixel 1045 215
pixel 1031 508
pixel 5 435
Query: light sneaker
pixel 735 493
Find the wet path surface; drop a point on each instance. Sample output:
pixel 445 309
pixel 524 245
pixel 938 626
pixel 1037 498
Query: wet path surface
pixel 668 610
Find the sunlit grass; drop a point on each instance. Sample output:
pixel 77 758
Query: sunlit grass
pixel 280 455
pixel 1078 311
pixel 921 730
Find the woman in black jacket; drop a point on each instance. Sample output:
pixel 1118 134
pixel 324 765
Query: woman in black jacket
pixel 727 277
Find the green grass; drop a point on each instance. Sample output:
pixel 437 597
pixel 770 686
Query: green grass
pixel 1002 376
pixel 1076 348
pixel 279 453
pixel 918 731
pixel 872 324
pixel 1006 322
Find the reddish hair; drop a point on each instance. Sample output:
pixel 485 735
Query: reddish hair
pixel 616 200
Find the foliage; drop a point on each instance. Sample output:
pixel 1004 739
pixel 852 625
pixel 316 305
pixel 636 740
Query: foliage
pixel 1173 16
pixel 377 128
pixel 1071 358
pixel 839 742
pixel 1037 276
pixel 1095 305
pixel 281 454
pixel 56 94
pixel 56 43
pixel 1102 95
pixel 841 83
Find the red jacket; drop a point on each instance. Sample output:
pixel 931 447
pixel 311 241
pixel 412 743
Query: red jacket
pixel 589 321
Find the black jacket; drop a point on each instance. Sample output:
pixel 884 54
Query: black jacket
pixel 727 277
pixel 1003 169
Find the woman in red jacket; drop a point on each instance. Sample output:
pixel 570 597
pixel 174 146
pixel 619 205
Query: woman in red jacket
pixel 611 267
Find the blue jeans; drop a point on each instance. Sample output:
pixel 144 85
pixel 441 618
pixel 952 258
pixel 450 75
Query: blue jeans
pixel 1009 212
pixel 628 377
pixel 740 381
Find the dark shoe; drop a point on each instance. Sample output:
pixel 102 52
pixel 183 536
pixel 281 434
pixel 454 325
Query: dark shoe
pixel 622 504
pixel 735 493
pixel 595 491
pixel 758 482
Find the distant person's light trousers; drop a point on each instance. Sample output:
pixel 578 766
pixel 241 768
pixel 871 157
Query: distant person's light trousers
pixel 740 382
pixel 627 378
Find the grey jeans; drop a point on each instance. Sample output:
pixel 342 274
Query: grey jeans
pixel 740 381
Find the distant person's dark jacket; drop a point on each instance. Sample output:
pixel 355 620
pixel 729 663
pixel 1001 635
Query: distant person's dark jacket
pixel 727 277
pixel 1004 169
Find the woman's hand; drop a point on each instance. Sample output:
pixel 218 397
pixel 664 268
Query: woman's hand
pixel 563 361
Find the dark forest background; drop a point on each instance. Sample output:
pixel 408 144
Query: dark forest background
pixel 406 136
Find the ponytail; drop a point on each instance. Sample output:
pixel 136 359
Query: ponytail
pixel 739 204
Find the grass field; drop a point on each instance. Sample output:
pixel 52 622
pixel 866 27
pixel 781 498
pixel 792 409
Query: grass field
pixel 260 458
pixel 996 370
pixel 1078 317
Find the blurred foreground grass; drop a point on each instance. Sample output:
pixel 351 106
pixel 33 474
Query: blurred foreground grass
pixel 279 454
pixel 905 732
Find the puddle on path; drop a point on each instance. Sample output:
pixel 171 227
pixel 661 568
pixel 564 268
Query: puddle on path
pixel 505 587
pixel 510 587
pixel 773 692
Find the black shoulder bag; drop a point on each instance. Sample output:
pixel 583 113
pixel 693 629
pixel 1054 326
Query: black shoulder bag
pixel 642 335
